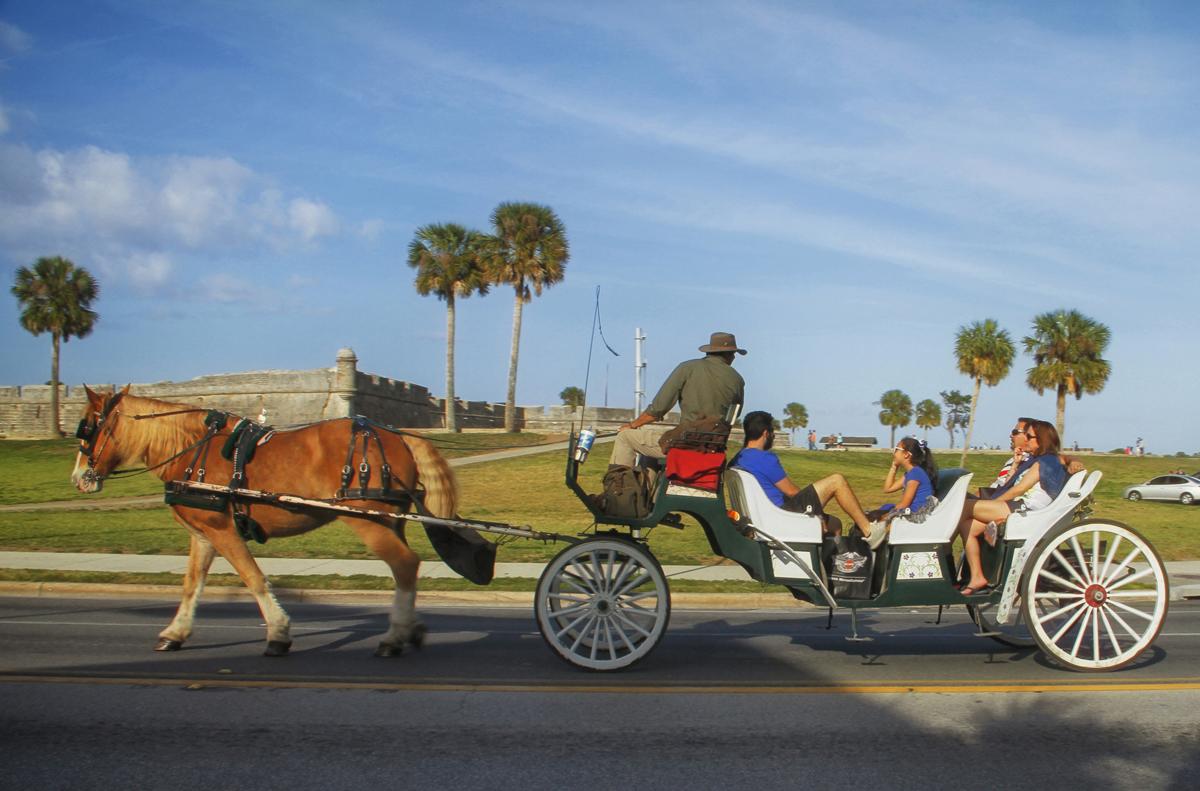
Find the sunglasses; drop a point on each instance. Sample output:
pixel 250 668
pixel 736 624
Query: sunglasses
pixel 1015 432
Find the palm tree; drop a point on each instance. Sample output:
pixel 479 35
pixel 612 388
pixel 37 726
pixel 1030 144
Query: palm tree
pixel 56 297
pixel 448 260
pixel 797 417
pixel 957 410
pixel 985 353
pixel 1066 347
pixel 929 415
pixel 897 411
pixel 530 254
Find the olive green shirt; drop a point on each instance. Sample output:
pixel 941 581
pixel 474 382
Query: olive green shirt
pixel 703 388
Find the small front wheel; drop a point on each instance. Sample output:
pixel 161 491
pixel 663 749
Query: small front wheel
pixel 1094 595
pixel 603 604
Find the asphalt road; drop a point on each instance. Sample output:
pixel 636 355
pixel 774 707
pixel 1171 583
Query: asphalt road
pixel 729 699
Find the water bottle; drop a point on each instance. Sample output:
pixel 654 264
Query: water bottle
pixel 586 437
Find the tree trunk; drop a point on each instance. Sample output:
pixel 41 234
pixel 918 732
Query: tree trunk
pixel 55 426
pixel 970 424
pixel 1061 418
pixel 510 405
pixel 451 412
pixel 893 437
pixel 951 432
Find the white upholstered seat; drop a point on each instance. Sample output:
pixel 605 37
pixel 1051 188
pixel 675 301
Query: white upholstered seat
pixel 1032 524
pixel 745 494
pixel 940 525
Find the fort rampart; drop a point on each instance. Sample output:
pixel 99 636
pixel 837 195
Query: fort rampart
pixel 284 398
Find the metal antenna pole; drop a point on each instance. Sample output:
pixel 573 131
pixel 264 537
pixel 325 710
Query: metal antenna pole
pixel 639 372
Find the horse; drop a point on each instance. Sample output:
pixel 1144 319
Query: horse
pixel 308 461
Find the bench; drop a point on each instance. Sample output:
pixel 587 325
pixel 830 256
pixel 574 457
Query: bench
pixel 830 442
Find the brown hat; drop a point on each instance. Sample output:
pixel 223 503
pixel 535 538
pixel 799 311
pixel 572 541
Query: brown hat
pixel 722 342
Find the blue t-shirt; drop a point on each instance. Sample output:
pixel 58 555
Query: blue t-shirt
pixel 765 467
pixel 924 487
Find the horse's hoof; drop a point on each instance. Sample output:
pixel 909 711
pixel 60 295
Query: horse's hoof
pixel 417 638
pixel 389 649
pixel 167 644
pixel 277 648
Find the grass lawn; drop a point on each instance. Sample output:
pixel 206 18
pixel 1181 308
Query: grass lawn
pixel 522 491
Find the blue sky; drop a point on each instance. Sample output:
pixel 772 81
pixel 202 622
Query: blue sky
pixel 843 185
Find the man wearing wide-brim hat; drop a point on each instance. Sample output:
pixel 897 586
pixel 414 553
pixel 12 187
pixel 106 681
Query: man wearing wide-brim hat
pixel 704 388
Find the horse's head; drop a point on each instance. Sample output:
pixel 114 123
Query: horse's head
pixel 99 448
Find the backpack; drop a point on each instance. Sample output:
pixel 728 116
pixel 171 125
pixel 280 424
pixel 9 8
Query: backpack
pixel 627 493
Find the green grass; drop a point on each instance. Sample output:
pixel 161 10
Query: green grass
pixel 523 491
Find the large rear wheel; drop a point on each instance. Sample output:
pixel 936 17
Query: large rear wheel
pixel 1094 595
pixel 603 604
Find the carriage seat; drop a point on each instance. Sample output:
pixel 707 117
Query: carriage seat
pixel 1031 525
pixel 745 495
pixel 939 526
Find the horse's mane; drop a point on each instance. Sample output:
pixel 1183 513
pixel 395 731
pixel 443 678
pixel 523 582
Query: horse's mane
pixel 155 439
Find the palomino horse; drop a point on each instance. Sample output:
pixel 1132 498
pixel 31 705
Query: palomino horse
pixel 122 429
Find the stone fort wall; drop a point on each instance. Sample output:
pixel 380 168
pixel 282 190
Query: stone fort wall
pixel 284 398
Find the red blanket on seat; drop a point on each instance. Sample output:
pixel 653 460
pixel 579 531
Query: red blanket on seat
pixel 695 468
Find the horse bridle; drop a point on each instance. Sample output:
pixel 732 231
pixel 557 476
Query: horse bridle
pixel 104 426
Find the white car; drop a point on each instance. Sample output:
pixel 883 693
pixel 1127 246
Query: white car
pixel 1184 488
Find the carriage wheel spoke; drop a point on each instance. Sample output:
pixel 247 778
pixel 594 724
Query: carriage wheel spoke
pixel 1111 632
pixel 1083 625
pixel 628 566
pixel 632 625
pixel 1071 569
pixel 567 612
pixel 1063 630
pixel 1131 578
pixel 1061 611
pixel 1116 617
pixel 1119 571
pixel 570 626
pixel 1050 575
pixel 632 584
pixel 1095 635
pixel 1083 564
pixel 1095 554
pixel 583 575
pixel 589 618
pixel 1112 553
pixel 1131 610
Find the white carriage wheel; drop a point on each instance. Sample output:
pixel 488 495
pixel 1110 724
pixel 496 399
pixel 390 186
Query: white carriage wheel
pixel 1094 595
pixel 1014 635
pixel 603 604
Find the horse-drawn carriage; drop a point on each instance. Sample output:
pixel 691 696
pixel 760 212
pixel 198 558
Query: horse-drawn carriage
pixel 1091 593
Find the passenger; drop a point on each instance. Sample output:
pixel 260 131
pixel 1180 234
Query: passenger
pixel 705 387
pixel 920 471
pixel 1034 484
pixel 1019 457
pixel 756 458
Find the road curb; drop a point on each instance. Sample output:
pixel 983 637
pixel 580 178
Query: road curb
pixel 482 598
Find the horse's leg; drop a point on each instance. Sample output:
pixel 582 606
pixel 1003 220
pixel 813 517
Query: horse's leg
pixel 200 558
pixel 233 549
pixel 390 547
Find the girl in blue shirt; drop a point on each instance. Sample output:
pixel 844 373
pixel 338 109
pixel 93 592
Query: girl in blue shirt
pixel 920 471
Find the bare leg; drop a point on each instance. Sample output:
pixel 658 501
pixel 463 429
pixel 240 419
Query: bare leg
pixel 837 487
pixel 200 558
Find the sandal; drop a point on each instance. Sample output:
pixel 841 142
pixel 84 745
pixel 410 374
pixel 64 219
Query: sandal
pixel 982 590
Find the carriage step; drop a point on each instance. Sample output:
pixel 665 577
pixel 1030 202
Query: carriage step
pixel 672 520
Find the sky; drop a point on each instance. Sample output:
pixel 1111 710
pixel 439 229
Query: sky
pixel 843 185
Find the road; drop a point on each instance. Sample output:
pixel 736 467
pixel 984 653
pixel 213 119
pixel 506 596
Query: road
pixel 730 699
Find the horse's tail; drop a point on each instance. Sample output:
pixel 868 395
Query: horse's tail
pixel 433 471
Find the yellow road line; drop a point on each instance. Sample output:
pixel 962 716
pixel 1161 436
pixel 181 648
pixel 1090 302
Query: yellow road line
pixel 956 687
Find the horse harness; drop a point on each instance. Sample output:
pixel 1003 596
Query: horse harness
pixel 239 448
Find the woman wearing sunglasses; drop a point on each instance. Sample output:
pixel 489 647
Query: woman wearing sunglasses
pixel 1034 484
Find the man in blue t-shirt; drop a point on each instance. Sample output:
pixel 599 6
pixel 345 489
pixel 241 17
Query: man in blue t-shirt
pixel 756 458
